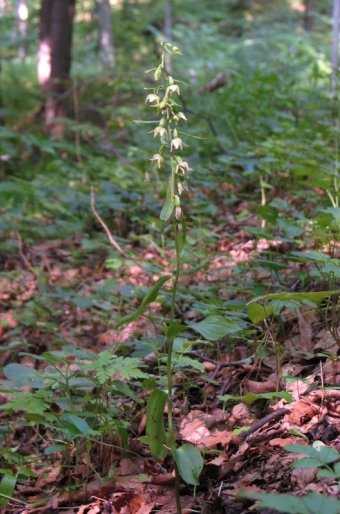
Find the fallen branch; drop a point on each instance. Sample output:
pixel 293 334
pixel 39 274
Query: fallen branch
pixel 114 243
pixel 261 422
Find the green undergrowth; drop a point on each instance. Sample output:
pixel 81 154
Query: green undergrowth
pixel 264 153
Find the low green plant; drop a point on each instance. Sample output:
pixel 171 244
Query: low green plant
pixel 250 398
pixel 311 503
pixel 163 98
pixel 326 460
pixel 74 397
pixel 14 469
pixel 325 272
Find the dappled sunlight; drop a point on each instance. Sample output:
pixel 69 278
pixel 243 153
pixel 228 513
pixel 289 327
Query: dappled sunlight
pixel 169 262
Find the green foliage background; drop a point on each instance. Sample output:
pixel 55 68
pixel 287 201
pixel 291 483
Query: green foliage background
pixel 271 132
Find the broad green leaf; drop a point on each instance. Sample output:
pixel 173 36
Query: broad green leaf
pixel 181 345
pixel 258 313
pixel 184 361
pixel 268 213
pixel 307 462
pixel 24 376
pixel 125 390
pixel 151 296
pixel 79 423
pixel 334 211
pixel 275 266
pixel 155 422
pixel 336 468
pixel 315 297
pixel 173 330
pixel 189 463
pixel 326 473
pixel 103 305
pixel 331 268
pixel 311 503
pixel 319 450
pixel 83 302
pixel 25 472
pixel 250 398
pixel 168 209
pixel 7 486
pixel 54 448
pixel 215 327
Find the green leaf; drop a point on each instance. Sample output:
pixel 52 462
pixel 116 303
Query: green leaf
pixel 315 297
pixel 189 463
pixel 155 422
pixel 331 268
pixel 125 390
pixel 274 266
pixel 168 209
pixel 307 462
pixel 103 305
pixel 258 313
pixel 7 486
pixel 318 451
pixel 129 318
pixel 105 365
pixel 33 403
pixel 25 472
pixel 296 432
pixel 24 376
pixel 268 213
pixel 151 296
pixel 326 473
pixel 311 503
pixel 54 448
pixel 83 302
pixel 250 398
pixel 184 361
pixel 173 330
pixel 215 327
pixel 311 255
pixel 336 468
pixel 79 423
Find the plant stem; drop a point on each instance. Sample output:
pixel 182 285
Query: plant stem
pixel 169 362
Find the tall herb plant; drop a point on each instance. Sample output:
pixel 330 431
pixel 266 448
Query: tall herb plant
pixel 164 100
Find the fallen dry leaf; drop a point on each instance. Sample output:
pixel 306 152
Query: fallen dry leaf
pixel 127 502
pixel 301 412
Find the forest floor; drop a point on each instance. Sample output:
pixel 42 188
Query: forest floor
pixel 94 478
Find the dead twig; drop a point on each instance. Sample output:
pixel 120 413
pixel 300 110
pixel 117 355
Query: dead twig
pixel 261 422
pixel 114 243
pixel 23 256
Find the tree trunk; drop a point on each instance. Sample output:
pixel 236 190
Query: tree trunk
pixel 106 47
pixel 308 17
pixel 54 59
pixel 22 17
pixel 335 45
pixel 2 121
